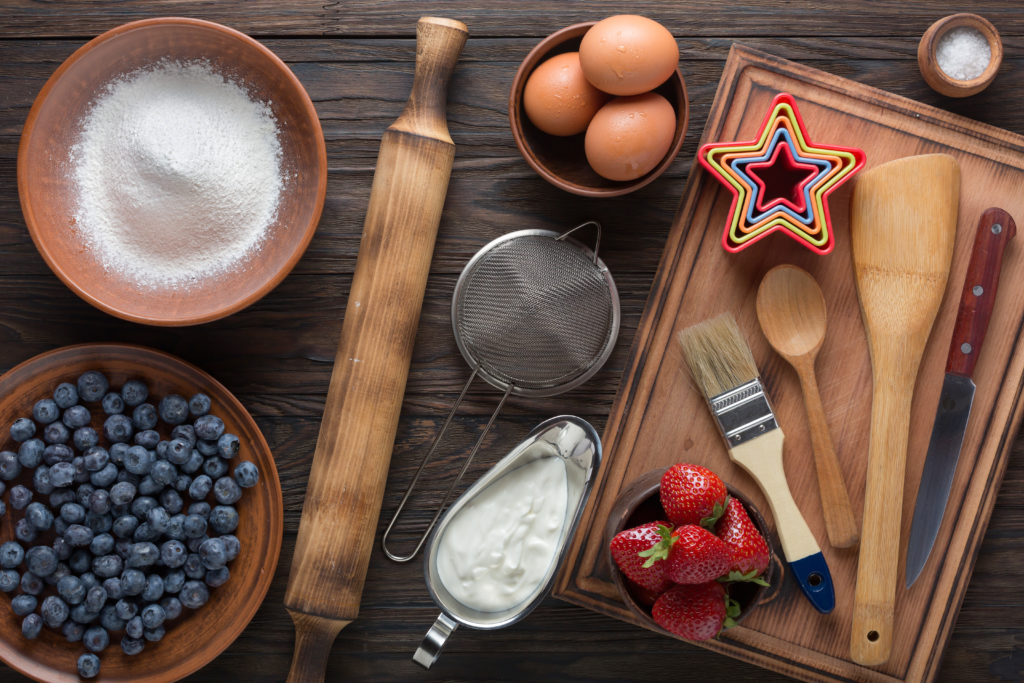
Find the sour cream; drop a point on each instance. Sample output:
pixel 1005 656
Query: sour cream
pixel 497 550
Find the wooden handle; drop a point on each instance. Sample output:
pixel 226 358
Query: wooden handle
pixel 364 399
pixel 871 637
pixel 314 637
pixel 840 523
pixel 979 294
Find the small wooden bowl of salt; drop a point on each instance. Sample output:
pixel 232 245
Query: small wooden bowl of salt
pixel 959 55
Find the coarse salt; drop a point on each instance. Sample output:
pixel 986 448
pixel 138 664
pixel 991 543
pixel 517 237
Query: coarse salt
pixel 963 53
pixel 178 175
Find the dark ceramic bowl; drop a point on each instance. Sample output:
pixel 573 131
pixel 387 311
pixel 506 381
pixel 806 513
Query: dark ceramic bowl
pixel 640 503
pixel 562 160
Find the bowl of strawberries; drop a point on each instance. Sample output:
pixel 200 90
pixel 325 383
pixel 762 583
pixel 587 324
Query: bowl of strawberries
pixel 689 554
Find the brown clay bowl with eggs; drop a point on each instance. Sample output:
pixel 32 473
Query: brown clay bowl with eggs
pixel 54 123
pixel 196 637
pixel 562 161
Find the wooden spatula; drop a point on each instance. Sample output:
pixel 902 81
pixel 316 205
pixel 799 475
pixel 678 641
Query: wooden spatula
pixel 903 224
pixel 364 399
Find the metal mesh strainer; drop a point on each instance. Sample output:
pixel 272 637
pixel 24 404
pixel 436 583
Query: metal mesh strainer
pixel 534 314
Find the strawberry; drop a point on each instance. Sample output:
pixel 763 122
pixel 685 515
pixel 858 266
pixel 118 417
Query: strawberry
pixel 626 548
pixel 691 494
pixel 696 556
pixel 747 545
pixel 695 612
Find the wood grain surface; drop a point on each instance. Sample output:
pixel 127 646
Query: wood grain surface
pixel 355 58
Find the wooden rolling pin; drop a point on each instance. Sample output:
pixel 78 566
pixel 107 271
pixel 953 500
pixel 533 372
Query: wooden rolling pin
pixel 353 451
pixel 902 228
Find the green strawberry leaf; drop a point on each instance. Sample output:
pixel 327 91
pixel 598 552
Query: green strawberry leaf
pixel 660 550
pixel 716 514
pixel 739 577
pixel 732 610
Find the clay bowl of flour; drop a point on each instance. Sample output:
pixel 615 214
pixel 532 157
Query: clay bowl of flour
pixel 172 171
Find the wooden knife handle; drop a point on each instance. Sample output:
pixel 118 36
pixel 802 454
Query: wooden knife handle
pixel 364 399
pixel 995 229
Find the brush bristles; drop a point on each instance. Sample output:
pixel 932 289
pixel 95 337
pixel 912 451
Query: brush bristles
pixel 718 355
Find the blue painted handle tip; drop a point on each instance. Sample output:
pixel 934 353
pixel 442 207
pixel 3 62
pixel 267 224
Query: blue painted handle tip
pixel 815 581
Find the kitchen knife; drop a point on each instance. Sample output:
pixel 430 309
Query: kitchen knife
pixel 995 229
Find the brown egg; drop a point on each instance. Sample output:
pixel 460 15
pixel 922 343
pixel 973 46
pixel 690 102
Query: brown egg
pixel 558 99
pixel 628 54
pixel 629 136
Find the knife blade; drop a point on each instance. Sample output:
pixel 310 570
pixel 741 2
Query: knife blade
pixel 995 229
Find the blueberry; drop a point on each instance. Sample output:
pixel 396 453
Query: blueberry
pixel 31 584
pixel 207 448
pixel 194 462
pixel 76 416
pixel 112 585
pixel 194 594
pixel 158 519
pixel 61 547
pixel 193 567
pixel 134 392
pixel 96 458
pixel 104 477
pixel 56 432
pixel 62 474
pixel 194 526
pixel 82 615
pixel 215 468
pixel 99 524
pixel 112 403
pixel 102 544
pixel 199 405
pixel 65 395
pixel 72 513
pixel 71 589
pixel 39 516
pixel 20 497
pixel 178 452
pixel 9 580
pixel 95 598
pixel 226 491
pixel 24 531
pixel 172 608
pixel 117 452
pixel 118 429
pixel 200 487
pixel 85 438
pixel 145 533
pixel 125 526
pixel 45 411
pixel 54 611
pixel 80 562
pixel 163 473
pixel 173 554
pixel 78 536
pixel 109 619
pixel 186 433
pixel 57 452
pixel 138 460
pixel 83 493
pixel 23 604
pixel 11 554
pixel 181 483
pixel 73 631
pixel 173 581
pixel 10 468
pixel 154 635
pixel 23 429
pixel 107 566
pixel 99 502
pixel 60 572
pixel 246 474
pixel 173 409
pixel 122 493
pixel 133 646
pixel 142 505
pixel 212 553
pixel 96 639
pixel 133 582
pixel 153 616
pixel 223 519
pixel 31 625
pixel 201 508
pixel 217 577
pixel 147 438
pixel 81 474
pixel 88 665
pixel 30 453
pixel 92 385
pixel 171 501
pixel 41 560
pixel 41 480
pixel 143 555
pixel 193 543
pixel 148 487
pixel 144 416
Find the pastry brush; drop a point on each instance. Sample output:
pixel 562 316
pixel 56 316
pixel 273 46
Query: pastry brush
pixel 724 369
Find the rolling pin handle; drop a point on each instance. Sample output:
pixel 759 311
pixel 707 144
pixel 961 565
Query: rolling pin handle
pixel 432 644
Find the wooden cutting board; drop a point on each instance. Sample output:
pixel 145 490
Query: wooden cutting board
pixel 660 418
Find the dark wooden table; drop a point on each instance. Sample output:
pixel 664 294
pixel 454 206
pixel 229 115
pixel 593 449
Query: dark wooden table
pixel 356 58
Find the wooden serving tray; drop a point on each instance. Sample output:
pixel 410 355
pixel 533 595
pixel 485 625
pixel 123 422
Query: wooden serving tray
pixel 660 418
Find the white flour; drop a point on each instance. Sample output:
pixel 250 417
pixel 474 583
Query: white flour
pixel 178 175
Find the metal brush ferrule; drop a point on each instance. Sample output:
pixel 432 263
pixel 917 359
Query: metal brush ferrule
pixel 744 413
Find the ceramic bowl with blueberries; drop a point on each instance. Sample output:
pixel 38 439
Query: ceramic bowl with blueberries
pixel 140 516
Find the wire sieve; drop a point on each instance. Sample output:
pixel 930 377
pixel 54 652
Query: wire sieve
pixel 534 314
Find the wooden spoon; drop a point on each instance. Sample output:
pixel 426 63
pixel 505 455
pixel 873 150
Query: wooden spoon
pixel 902 227
pixel 791 310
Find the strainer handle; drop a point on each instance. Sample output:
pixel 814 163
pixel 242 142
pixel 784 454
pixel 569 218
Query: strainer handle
pixel 433 642
pixel 455 482
pixel 597 239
